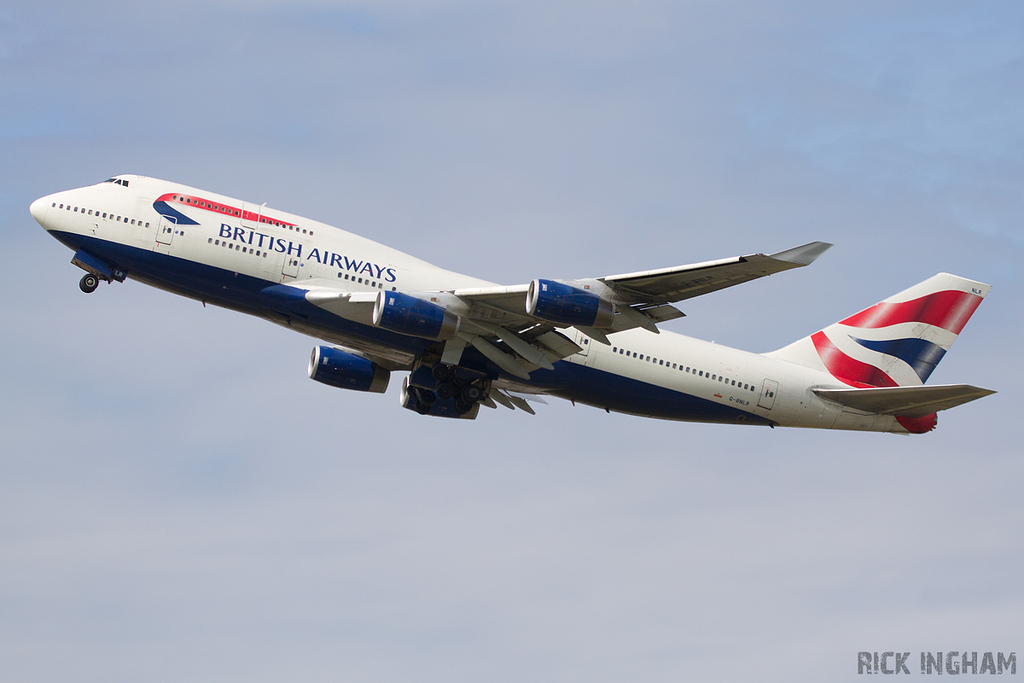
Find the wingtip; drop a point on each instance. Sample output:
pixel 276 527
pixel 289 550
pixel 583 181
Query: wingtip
pixel 803 255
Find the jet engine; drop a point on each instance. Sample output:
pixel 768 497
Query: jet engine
pixel 345 370
pixel 415 317
pixel 562 303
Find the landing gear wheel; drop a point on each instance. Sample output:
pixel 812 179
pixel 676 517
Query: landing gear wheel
pixel 463 406
pixel 445 390
pixel 89 283
pixel 424 399
pixel 442 372
pixel 471 394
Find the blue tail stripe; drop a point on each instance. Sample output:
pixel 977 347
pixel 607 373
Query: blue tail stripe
pixel 919 354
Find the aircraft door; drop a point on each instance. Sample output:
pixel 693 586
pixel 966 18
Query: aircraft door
pixel 768 391
pixel 291 266
pixel 251 214
pixel 584 342
pixel 165 230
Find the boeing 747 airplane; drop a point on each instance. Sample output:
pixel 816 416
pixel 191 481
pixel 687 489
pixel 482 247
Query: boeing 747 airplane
pixel 466 342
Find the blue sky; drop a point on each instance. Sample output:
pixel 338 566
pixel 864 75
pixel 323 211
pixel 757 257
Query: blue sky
pixel 179 502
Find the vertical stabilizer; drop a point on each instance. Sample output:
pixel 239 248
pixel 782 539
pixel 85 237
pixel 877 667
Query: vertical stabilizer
pixel 897 342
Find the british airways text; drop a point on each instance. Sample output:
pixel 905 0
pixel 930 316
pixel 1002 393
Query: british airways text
pixel 323 257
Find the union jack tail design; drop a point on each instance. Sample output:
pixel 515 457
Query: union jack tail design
pixel 897 342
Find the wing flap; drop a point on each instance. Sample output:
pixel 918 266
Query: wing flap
pixel 356 306
pixel 916 401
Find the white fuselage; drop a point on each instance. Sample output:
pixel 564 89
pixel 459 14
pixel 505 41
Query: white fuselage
pixel 225 251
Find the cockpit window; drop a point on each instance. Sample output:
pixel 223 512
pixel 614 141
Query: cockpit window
pixel 117 181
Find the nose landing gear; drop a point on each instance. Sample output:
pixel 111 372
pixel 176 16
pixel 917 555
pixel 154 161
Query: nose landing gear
pixel 89 283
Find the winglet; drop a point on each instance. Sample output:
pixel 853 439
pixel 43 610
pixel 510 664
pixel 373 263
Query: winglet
pixel 803 255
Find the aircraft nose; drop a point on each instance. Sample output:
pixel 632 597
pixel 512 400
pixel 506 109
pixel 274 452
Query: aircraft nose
pixel 38 210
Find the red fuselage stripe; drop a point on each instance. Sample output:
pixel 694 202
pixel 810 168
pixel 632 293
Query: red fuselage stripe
pixel 223 209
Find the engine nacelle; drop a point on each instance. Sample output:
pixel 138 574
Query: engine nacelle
pixel 345 370
pixel 561 303
pixel 415 317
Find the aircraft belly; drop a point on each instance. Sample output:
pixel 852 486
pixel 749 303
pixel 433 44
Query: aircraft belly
pixel 608 390
pixel 241 292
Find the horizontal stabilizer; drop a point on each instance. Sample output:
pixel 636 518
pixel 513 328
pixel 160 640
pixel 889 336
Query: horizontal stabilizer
pixel 913 401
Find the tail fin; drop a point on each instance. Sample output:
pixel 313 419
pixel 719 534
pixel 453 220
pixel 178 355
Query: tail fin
pixel 897 342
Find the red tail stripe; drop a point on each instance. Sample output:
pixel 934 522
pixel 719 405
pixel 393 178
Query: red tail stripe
pixel 846 369
pixel 949 309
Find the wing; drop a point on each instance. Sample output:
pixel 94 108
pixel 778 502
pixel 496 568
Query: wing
pixel 685 282
pixel 645 298
pixel 520 327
